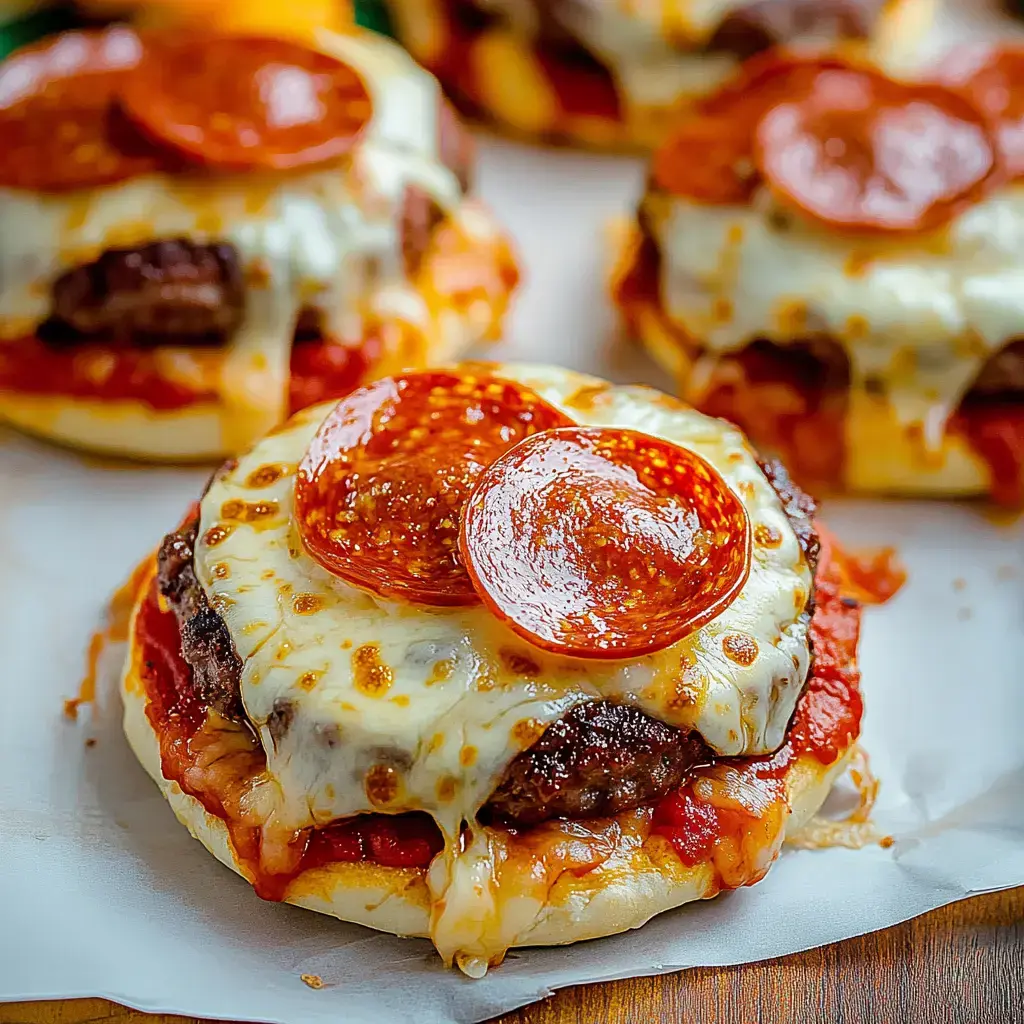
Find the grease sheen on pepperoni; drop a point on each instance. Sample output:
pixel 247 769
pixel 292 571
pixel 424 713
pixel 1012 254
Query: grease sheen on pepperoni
pixel 861 152
pixel 710 154
pixel 604 543
pixel 243 102
pixel 380 492
pixel 59 128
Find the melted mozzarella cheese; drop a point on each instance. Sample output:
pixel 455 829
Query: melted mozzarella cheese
pixel 326 238
pixel 918 316
pixel 365 705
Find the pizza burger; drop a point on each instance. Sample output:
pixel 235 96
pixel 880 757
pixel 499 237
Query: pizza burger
pixel 840 273
pixel 203 232
pixel 605 73
pixel 497 655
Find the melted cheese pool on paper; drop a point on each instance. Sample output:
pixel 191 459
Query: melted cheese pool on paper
pixel 304 238
pixel 921 316
pixel 369 705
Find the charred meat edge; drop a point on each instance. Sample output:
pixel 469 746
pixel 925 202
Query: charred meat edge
pixel 599 759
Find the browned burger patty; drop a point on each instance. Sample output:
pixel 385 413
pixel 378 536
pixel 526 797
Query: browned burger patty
pixel 599 759
pixel 206 643
pixel 170 289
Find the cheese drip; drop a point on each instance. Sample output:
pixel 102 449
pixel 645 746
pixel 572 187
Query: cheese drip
pixel 365 705
pixel 917 317
pixel 326 239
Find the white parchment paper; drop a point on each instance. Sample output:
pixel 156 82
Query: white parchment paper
pixel 103 893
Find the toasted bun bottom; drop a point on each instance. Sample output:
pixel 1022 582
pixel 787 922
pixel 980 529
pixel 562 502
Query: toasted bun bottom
pixel 504 82
pixel 880 457
pixel 615 897
pixel 206 430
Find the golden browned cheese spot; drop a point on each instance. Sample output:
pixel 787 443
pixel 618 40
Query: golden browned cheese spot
pixel 436 742
pixel 721 310
pixel 307 604
pixel 686 695
pixel 746 489
pixel 217 534
pixel 589 396
pixel 741 649
pixel 518 663
pixel 799 599
pixel 858 263
pixel 793 316
pixel 467 756
pixel 970 345
pixel 441 672
pixel 266 475
pixel 527 731
pixel 446 789
pixel 267 574
pixel 371 676
pixel 382 784
pixel 736 457
pixel 767 536
pixel 857 327
pixel 307 681
pixel 253 513
pixel 401 700
pixel 221 571
pixel 220 603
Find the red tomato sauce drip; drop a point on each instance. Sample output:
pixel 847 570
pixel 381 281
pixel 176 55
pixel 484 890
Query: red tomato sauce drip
pixel 995 431
pixel 826 721
pixel 178 715
pixel 31 367
pixel 320 370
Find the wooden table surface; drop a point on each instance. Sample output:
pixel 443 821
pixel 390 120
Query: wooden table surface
pixel 962 964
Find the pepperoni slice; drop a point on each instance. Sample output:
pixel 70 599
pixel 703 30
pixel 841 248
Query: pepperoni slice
pixel 244 102
pixel 58 126
pixel 862 152
pixel 380 492
pixel 602 543
pixel 710 154
pixel 994 81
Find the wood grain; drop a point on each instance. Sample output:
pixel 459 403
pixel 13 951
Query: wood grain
pixel 963 964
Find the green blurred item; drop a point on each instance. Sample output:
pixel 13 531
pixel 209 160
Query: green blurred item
pixel 25 28
pixel 19 28
pixel 373 14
